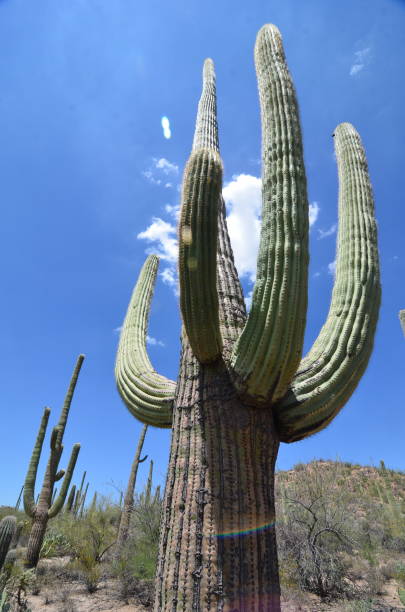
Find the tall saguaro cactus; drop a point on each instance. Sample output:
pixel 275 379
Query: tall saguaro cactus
pixel 45 509
pixel 243 385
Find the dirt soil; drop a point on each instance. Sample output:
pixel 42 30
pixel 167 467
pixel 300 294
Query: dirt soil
pixel 71 596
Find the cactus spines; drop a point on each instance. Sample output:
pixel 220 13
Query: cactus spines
pixel 243 385
pixel 8 528
pixel 47 506
pixel 198 230
pixel 147 395
pixel 268 351
pixel 330 372
pixel 127 509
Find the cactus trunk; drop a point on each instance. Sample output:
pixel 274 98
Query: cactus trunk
pixel 218 546
pixel 36 538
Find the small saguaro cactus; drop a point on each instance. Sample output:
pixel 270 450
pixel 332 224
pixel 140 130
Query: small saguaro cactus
pixel 8 529
pixel 44 509
pixel 126 513
pixel 243 386
pixel 70 499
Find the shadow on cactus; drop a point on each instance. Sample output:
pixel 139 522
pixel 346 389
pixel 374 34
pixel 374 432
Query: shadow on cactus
pixel 49 505
pixel 243 385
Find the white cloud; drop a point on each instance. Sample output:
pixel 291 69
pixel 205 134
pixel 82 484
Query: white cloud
pixel 361 59
pixel 174 211
pixel 149 176
pixel 248 300
pixel 118 330
pixel 163 234
pixel 313 213
pixel 332 268
pixel 157 174
pixel 325 233
pixel 243 198
pixel 153 342
pixel 166 166
pixel 166 127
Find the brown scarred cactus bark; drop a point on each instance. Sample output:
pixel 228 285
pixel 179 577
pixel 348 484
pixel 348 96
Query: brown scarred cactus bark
pixel 243 386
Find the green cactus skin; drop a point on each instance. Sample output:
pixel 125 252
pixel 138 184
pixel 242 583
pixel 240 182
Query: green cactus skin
pixel 81 509
pixel 46 508
pixel 70 499
pixel 17 505
pixel 402 320
pixel 79 496
pixel 198 231
pixel 8 528
pixel 268 351
pixel 127 509
pixel 243 385
pixel 147 395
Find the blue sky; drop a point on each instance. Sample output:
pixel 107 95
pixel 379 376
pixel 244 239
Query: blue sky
pixel 89 183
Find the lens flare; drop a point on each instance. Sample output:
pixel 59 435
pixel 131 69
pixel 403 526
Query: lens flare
pixel 242 532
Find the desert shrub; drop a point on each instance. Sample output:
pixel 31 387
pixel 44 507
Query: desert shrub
pixel 55 544
pixel 314 531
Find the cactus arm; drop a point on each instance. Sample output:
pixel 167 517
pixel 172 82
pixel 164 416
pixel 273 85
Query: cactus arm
pixel 69 395
pixel 268 351
pixel 228 295
pixel 29 484
pixel 59 475
pixel 402 320
pixel 198 231
pixel 60 500
pixel 329 373
pixel 206 129
pixel 147 395
pixel 70 499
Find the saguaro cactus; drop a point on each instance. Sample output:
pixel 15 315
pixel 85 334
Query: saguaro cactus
pixel 8 528
pixel 44 509
pixel 243 386
pixel 127 510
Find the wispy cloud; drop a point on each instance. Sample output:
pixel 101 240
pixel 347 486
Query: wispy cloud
pixel 166 166
pixel 173 211
pixel 361 59
pixel 313 213
pixel 325 233
pixel 163 236
pixel 332 268
pixel 158 172
pixel 153 341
